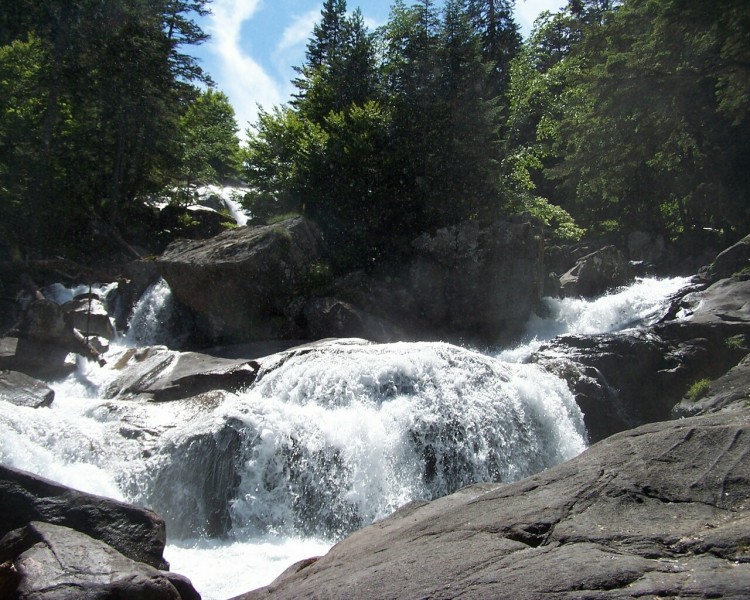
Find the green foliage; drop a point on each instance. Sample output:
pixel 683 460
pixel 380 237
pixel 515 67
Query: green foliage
pixel 90 97
pixel 698 390
pixel 319 278
pixel 391 134
pixel 735 342
pixel 208 138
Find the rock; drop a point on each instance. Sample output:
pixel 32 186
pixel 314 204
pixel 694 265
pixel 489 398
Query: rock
pixel 649 249
pixel 90 317
pixel 208 464
pixel 727 392
pixel 240 282
pixel 22 390
pixel 659 511
pixel 54 562
pixel 168 375
pixel 36 359
pixel 478 282
pixel 733 260
pixel 619 380
pixel 137 533
pixel 725 303
pixel 194 222
pixel 330 317
pixel 596 273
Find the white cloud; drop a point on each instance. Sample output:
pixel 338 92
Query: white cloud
pixel 528 10
pixel 299 31
pixel 241 77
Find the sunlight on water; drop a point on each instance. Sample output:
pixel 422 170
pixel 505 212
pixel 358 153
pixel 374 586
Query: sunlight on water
pixel 221 569
pixel 328 439
pixel 638 305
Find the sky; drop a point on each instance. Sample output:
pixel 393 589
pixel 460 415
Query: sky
pixel 255 43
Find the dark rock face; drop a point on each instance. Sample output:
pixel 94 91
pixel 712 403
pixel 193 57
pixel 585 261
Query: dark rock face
pixel 240 283
pixel 657 511
pixel 53 562
pixel 474 282
pixel 596 273
pixel 619 381
pixel 89 316
pixel 22 390
pixel 330 317
pixel 471 283
pixel 733 260
pixel 137 533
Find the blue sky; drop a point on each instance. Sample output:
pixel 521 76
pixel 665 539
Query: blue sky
pixel 255 43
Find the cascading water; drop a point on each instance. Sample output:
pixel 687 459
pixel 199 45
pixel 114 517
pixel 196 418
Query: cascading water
pixel 146 325
pixel 329 438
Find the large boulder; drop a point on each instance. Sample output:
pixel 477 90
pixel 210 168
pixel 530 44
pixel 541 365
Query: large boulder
pixel 659 511
pixel 240 283
pixel 163 374
pixel 22 390
pixel 465 283
pixel 135 532
pixel 735 260
pixel 597 273
pixel 478 281
pixel 44 561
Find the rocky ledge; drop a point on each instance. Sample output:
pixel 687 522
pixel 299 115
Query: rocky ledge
pixel 658 511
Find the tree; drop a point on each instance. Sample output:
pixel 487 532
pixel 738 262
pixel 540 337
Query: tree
pixel 210 147
pixel 111 85
pixel 651 146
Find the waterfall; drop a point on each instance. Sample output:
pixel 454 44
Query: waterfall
pixel 147 325
pixel 228 195
pixel 329 438
pixel 639 305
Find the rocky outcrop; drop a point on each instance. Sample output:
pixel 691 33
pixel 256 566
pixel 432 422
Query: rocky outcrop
pixel 596 273
pixel 137 533
pixel 469 282
pixel 735 260
pixel 657 511
pixel 45 561
pixel 22 390
pixel 240 283
pixel 164 374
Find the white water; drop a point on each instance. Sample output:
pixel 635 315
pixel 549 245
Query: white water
pixel 326 441
pixel 637 305
pixel 229 195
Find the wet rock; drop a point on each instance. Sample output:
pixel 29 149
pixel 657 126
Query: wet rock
pixel 619 380
pixel 137 533
pixel 240 282
pixel 659 511
pixel 168 375
pixel 596 273
pixel 22 390
pixel 209 465
pixel 36 359
pixel 330 317
pixel 54 562
pixel 89 316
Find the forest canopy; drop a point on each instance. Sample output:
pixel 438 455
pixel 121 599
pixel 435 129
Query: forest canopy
pixel 613 116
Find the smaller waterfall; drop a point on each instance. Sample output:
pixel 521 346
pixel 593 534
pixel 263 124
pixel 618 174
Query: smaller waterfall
pixel 228 195
pixel 638 305
pixel 148 325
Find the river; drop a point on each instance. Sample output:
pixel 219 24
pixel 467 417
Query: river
pixel 323 443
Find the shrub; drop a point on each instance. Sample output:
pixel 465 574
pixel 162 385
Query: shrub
pixel 698 390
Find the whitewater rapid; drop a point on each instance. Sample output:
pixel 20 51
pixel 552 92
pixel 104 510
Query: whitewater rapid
pixel 328 439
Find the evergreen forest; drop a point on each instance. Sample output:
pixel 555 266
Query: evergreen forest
pixel 611 117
